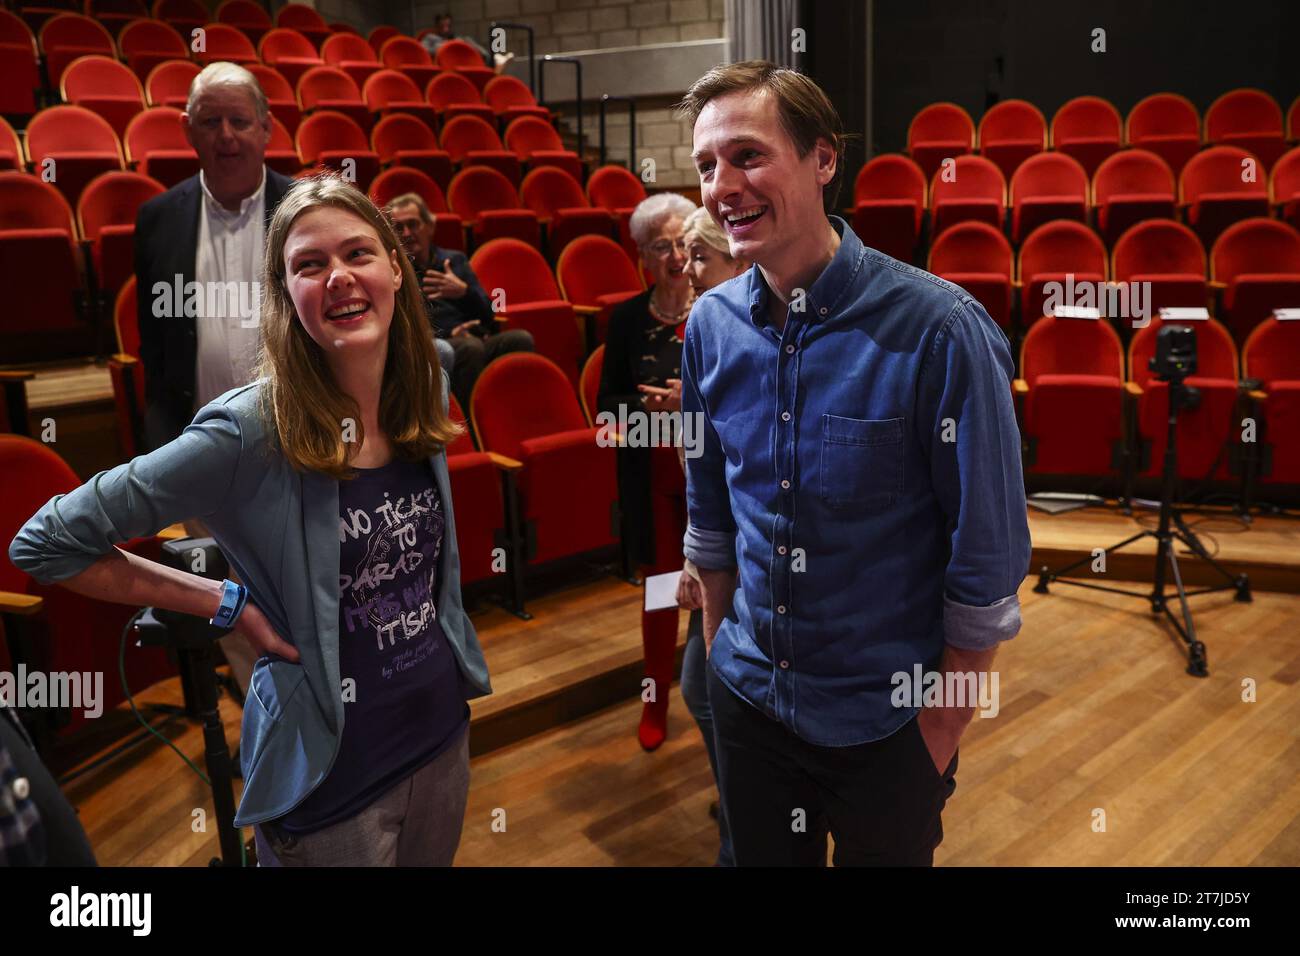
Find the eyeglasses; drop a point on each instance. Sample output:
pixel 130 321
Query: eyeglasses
pixel 664 246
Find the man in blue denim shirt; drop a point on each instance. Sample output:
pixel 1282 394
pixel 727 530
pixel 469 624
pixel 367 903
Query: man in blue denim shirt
pixel 860 475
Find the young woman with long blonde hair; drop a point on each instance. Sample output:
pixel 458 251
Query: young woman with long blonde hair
pixel 325 484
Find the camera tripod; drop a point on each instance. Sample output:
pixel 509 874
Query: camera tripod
pixel 1171 528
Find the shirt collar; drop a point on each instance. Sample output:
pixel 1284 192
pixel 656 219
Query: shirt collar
pixel 244 206
pixel 830 286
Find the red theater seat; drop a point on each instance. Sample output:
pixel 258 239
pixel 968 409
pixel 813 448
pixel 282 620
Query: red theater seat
pixel 619 191
pixel 20 75
pixel 290 53
pixel 41 267
pixel 70 633
pixel 888 205
pixel 1087 128
pixel 1257 263
pixel 185 15
pixel 246 16
pixel 103 86
pixel 458 56
pixel 472 141
pixel 222 41
pixel 409 57
pixel 525 408
pixel 1284 187
pixel 156 146
pixel 939 131
pixel 1204 431
pixel 391 92
pixel 280 96
pixel 404 140
pixel 533 302
pixel 978 258
pixel 1249 119
pixel 67 36
pixel 304 19
pixel 536 142
pixel 115 14
pixel 329 88
pixel 11 148
pixel 488 204
pixel 1271 356
pixel 333 140
pixel 1219 186
pixel 511 98
pixel 1070 397
pixel 280 152
pixel 448 230
pixel 972 188
pixel 1168 256
pixel 476 489
pixel 1010 132
pixel 1130 187
pixel 168 84
pixel 147 43
pixel 596 274
pixel 351 54
pixel 1168 125
pixel 106 220
pixel 380 35
pixel 127 373
pixel 451 94
pixel 1045 187
pixel 562 207
pixel 74 144
pixel 1063 252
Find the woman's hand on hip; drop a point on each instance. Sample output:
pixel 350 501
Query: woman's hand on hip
pixel 253 625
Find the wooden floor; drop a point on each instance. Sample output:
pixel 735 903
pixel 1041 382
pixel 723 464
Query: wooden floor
pixel 1096 714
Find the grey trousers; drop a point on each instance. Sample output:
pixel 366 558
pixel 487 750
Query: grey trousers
pixel 416 823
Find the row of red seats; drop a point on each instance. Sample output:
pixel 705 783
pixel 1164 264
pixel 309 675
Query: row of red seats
pixel 145 44
pixel 1217 187
pixel 1090 128
pixel 1084 409
pixel 87 257
pixel 1254 269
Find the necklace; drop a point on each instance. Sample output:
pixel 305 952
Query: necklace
pixel 671 318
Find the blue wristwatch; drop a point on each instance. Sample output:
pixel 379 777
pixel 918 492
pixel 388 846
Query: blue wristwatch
pixel 233 598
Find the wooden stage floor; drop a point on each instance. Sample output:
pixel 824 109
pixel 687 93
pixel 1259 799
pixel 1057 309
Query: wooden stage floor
pixel 1096 714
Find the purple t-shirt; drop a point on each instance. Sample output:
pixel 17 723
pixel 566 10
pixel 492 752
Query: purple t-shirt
pixel 407 703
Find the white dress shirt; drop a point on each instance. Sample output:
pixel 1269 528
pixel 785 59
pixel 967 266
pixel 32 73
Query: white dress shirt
pixel 228 327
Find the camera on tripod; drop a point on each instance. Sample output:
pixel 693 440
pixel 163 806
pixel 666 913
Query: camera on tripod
pixel 1174 361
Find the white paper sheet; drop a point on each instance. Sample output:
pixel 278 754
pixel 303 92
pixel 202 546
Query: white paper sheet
pixel 661 590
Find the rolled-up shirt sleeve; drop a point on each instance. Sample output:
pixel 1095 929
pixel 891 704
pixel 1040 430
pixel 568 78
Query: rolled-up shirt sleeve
pixel 710 539
pixel 969 427
pixel 189 477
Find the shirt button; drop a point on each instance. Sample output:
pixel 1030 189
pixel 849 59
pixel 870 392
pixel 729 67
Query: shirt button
pixel 823 310
pixel 789 349
pixel 780 609
pixel 785 416
pixel 785 483
pixel 21 788
pixel 780 549
pixel 785 665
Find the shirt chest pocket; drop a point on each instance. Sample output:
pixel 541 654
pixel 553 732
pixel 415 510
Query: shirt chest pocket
pixel 861 463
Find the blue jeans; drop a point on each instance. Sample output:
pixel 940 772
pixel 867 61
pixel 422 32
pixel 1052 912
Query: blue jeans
pixel 695 691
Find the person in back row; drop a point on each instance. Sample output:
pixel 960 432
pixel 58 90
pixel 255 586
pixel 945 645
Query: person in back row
pixel 460 310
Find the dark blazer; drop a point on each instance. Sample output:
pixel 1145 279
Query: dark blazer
pixel 618 382
pixel 446 314
pixel 166 245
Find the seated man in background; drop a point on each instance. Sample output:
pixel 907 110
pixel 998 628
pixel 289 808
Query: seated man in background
pixel 442 32
pixel 460 310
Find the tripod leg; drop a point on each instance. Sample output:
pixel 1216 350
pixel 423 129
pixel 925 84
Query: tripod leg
pixel 1047 575
pixel 1197 664
pixel 1188 537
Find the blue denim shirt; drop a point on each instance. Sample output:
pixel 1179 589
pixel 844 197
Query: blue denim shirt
pixel 861 468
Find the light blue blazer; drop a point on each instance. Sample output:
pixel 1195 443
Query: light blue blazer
pixel 280 530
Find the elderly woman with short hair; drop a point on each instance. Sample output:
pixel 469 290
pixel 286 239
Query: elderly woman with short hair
pixel 643 358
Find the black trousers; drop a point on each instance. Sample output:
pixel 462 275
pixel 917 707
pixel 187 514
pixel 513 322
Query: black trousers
pixel 881 801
